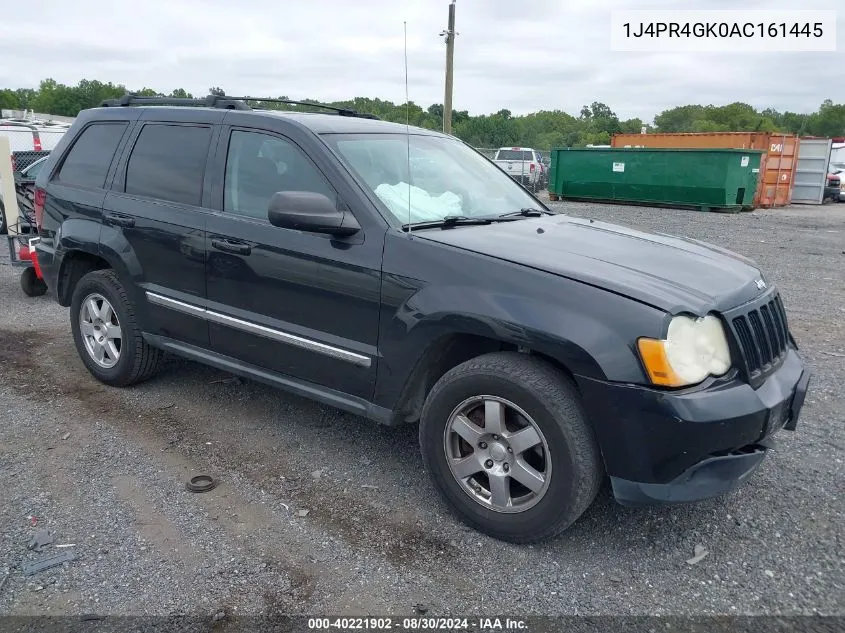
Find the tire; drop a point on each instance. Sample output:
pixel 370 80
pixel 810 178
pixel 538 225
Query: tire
pixel 31 285
pixel 135 360
pixel 572 464
pixel 3 228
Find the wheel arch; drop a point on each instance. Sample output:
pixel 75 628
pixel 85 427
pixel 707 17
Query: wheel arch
pixel 74 266
pixel 451 349
pixel 87 246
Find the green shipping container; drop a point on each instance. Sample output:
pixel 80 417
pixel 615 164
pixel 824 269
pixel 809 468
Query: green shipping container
pixel 704 178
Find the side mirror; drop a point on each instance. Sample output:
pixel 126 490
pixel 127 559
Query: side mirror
pixel 312 212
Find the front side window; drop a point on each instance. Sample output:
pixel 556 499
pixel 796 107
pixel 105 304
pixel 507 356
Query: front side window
pixel 259 165
pixel 442 177
pixel 168 163
pixel 87 163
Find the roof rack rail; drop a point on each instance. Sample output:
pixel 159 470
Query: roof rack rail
pixel 225 102
pixel 339 111
pixel 211 101
pixel 7 123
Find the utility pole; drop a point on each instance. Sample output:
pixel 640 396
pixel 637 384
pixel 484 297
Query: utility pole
pixel 449 34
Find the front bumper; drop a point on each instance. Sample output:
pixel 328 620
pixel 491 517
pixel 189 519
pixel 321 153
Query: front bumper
pixel 669 447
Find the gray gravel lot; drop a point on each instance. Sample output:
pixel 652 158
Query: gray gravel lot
pixel 105 470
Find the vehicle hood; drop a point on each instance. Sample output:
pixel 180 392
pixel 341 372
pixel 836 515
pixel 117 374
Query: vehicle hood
pixel 674 274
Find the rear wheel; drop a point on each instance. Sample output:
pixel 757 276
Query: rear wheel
pixel 2 219
pixel 106 333
pixel 509 448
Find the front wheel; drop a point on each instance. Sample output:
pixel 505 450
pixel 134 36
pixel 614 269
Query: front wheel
pixel 508 447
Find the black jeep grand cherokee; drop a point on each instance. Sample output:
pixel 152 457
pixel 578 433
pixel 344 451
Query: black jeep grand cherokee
pixel 538 351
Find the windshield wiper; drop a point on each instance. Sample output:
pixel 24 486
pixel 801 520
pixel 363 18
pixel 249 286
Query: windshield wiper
pixel 526 213
pixel 449 220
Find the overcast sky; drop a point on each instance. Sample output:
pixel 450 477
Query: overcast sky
pixel 524 56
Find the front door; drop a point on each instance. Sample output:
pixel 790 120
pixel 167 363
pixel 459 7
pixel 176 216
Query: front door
pixel 300 304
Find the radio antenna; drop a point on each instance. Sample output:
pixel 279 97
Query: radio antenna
pixel 408 125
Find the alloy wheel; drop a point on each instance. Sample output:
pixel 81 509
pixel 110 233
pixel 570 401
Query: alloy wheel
pixel 100 330
pixel 497 453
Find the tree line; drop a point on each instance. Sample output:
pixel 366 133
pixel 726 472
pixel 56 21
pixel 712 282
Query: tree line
pixel 594 124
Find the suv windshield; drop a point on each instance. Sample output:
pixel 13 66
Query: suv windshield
pixel 447 178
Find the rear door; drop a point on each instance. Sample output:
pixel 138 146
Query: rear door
pixel 155 218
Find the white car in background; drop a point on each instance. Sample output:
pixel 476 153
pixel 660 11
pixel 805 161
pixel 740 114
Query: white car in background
pixel 838 169
pixel 29 141
pixel 523 164
pixel 22 137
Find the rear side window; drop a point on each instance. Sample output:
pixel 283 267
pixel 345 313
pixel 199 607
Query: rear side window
pixel 87 163
pixel 35 169
pixel 168 163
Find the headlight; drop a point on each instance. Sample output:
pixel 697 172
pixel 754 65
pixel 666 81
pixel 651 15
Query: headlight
pixel 693 349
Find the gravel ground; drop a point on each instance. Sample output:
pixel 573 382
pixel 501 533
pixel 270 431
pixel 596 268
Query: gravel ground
pixel 105 470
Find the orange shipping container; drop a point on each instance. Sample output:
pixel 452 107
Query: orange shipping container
pixel 777 165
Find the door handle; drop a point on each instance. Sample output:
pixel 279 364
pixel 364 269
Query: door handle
pixel 120 220
pixel 238 248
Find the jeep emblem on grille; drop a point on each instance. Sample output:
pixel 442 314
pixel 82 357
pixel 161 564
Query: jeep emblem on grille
pixel 760 284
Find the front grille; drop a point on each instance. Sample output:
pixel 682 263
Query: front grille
pixel 762 335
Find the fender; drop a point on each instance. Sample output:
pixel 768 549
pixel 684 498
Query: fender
pixel 75 235
pixel 80 235
pixel 118 252
pixel 431 293
pixel 577 333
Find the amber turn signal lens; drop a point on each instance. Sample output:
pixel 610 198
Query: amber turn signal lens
pixel 657 365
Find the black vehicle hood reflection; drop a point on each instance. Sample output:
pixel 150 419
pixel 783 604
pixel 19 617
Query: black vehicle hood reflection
pixel 670 273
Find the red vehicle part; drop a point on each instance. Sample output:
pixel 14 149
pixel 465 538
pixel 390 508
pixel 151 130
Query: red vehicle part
pixel 26 254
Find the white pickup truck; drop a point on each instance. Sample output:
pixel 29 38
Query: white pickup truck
pixel 523 164
pixel 29 141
